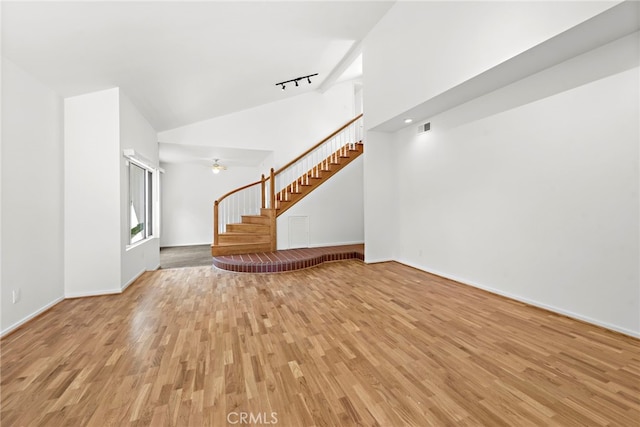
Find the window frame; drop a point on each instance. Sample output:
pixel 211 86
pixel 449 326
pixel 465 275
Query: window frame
pixel 151 197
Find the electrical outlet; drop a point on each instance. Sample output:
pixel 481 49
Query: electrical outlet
pixel 16 295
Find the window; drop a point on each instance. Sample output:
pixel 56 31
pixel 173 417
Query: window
pixel 141 210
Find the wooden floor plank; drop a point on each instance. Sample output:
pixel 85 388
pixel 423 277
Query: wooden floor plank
pixel 344 343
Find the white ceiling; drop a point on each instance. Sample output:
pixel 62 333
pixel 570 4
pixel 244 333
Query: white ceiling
pixel 183 62
pixel 205 155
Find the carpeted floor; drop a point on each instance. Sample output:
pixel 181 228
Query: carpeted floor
pixel 185 256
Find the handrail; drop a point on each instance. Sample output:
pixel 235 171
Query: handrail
pixel 346 125
pixel 236 190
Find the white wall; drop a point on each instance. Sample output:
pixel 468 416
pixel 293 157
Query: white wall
pixel 32 197
pixel 92 194
pixel 335 210
pixel 380 192
pixel 98 126
pixel 135 133
pixel 288 128
pixel 188 193
pixel 421 49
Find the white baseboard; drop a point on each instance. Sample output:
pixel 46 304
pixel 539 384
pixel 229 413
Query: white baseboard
pixel 136 277
pixel 180 245
pixel 525 300
pixel 92 293
pixel 108 291
pixel 71 295
pixel 377 261
pixel 29 317
pixel 322 245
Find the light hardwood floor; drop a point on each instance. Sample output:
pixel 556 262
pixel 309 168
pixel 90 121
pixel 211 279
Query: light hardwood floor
pixel 340 344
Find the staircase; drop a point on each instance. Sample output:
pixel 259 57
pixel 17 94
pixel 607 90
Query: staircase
pixel 255 233
pixel 245 218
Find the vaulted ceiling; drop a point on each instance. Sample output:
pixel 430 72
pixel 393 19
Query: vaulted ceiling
pixel 183 62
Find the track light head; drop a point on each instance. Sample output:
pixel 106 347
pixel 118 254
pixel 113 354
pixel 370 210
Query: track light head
pixel 296 80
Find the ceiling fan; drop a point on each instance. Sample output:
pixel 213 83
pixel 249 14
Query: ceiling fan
pixel 217 167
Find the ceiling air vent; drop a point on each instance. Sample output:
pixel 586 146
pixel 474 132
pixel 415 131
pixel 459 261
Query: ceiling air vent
pixel 424 127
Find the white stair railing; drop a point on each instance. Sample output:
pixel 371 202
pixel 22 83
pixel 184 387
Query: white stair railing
pixel 246 200
pixel 311 163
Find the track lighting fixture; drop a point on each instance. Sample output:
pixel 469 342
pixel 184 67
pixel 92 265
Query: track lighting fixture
pixel 296 80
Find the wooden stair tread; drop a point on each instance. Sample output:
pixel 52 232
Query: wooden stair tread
pixel 240 233
pixel 245 227
pixel 255 219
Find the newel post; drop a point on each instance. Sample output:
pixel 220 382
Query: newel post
pixel 215 222
pixel 272 191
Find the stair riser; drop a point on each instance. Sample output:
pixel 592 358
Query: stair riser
pixel 256 220
pixel 239 249
pixel 225 239
pixel 248 228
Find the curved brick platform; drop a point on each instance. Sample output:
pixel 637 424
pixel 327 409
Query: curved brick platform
pixel 287 260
